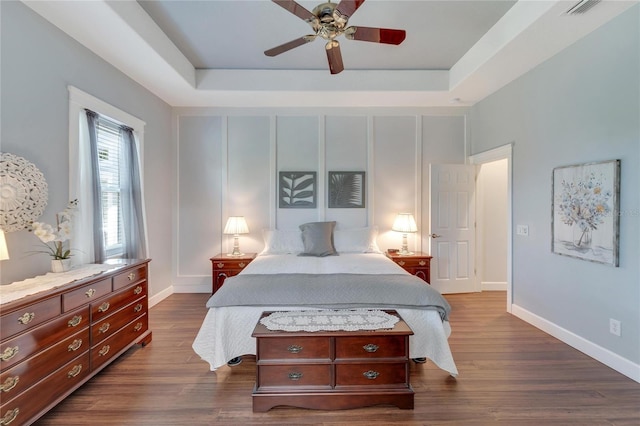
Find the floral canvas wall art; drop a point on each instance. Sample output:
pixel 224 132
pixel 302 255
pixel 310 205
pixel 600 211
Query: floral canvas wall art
pixel 585 220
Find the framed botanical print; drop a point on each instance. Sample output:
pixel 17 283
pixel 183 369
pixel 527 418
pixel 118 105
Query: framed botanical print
pixel 297 190
pixel 346 190
pixel 585 207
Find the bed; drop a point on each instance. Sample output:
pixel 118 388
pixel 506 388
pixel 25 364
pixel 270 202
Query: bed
pixel 358 277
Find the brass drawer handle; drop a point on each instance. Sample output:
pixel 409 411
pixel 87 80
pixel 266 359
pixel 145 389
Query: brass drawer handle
pixel 9 353
pixel 104 307
pixel 138 308
pixel 242 264
pixel 401 263
pixel 26 318
pixel 295 376
pixel 90 292
pixel 74 371
pixel 371 375
pixel 104 327
pixel 73 322
pixel 10 416
pixel 294 349
pixel 370 347
pixel 220 265
pixel 137 290
pixel 422 263
pixel 131 276
pixel 9 384
pixel 105 350
pixel 138 327
pixel 75 345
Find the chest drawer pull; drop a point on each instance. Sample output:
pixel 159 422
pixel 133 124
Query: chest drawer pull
pixel 220 265
pixel 75 345
pixel 137 290
pixel 138 307
pixel 10 383
pixel 401 263
pixel 242 264
pixel 131 276
pixel 104 327
pixel 105 350
pixel 74 371
pixel 26 318
pixel 295 376
pixel 104 307
pixel 294 349
pixel 371 375
pixel 73 322
pixel 422 263
pixel 138 327
pixel 9 353
pixel 90 292
pixel 370 347
pixel 10 416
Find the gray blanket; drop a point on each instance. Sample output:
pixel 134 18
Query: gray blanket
pixel 330 291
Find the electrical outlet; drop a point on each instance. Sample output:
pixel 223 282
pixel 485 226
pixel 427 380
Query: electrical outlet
pixel 614 327
pixel 522 230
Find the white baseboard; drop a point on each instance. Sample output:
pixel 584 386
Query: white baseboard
pixel 605 356
pixel 493 286
pixel 157 298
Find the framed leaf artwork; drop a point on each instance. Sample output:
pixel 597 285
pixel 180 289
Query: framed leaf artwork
pixel 297 190
pixel 346 190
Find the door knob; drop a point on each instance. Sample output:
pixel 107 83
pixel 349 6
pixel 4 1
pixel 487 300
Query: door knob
pixel 435 235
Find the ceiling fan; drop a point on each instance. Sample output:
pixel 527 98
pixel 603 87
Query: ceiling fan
pixel 329 20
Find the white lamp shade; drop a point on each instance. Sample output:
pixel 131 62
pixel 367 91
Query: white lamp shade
pixel 4 253
pixel 236 225
pixel 404 223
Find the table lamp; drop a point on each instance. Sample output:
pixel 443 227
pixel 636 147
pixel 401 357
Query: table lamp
pixel 235 226
pixel 404 223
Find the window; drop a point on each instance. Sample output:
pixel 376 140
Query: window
pixel 109 150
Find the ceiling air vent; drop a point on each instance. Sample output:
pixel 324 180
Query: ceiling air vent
pixel 583 6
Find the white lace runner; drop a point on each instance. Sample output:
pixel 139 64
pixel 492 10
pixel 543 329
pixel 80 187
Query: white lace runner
pixel 329 320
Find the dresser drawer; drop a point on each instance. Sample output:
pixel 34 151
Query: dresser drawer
pixel 25 345
pixel 27 373
pixel 128 277
pixel 314 376
pixel 107 326
pixel 290 348
pixel 86 294
pixel 372 374
pixel 29 317
pixel 364 347
pixel 28 404
pixel 110 347
pixel 104 307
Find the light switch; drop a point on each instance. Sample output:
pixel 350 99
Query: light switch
pixel 522 230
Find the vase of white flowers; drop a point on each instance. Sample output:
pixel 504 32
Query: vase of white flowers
pixel 56 239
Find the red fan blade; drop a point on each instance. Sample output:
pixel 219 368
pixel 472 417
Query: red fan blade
pixel 334 56
pixel 348 7
pixel 296 9
pixel 376 35
pixel 290 45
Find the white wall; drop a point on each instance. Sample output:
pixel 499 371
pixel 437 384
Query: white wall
pixel 492 225
pixel 38 63
pixel 228 163
pixel 580 106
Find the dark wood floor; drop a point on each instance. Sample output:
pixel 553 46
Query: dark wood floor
pixel 510 373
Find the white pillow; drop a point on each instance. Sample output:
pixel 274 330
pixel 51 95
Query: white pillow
pixel 282 241
pixel 356 240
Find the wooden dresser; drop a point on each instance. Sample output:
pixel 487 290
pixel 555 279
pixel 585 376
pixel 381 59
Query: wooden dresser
pixel 331 370
pixel 56 340
pixel 223 267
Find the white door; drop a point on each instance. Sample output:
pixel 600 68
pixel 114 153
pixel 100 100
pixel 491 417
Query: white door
pixel 452 231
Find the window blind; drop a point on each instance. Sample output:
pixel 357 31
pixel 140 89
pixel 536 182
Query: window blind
pixel 109 157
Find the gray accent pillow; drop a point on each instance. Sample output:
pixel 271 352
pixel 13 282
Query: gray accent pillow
pixel 317 238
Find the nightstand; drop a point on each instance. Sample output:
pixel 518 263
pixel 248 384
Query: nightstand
pixel 418 264
pixel 224 266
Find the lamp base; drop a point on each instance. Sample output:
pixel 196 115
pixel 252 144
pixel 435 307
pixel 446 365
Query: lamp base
pixel 405 253
pixel 235 254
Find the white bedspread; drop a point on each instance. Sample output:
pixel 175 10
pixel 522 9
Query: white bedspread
pixel 226 331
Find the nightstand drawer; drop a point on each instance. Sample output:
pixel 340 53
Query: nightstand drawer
pixel 372 374
pixel 370 347
pixel 408 262
pixel 290 348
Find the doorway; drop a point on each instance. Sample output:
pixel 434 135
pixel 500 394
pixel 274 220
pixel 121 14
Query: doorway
pixel 494 220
